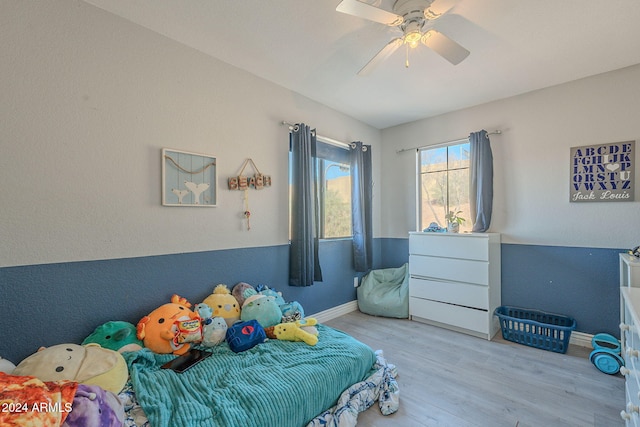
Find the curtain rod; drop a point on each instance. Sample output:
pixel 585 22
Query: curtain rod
pixel 324 138
pixel 441 144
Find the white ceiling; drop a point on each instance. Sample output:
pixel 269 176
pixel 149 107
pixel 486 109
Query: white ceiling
pixel 305 45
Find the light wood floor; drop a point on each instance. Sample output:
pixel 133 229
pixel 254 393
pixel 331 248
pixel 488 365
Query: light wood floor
pixel 451 379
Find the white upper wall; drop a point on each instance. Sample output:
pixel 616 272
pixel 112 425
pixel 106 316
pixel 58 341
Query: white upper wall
pixel 89 101
pixel 531 161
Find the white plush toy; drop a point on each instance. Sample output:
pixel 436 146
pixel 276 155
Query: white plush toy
pixel 214 330
pixel 6 366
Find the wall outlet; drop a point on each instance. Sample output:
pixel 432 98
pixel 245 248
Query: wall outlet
pixel 355 282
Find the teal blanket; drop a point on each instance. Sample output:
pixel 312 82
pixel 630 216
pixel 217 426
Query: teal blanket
pixel 276 383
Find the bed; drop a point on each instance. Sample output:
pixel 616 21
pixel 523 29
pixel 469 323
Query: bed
pixel 276 383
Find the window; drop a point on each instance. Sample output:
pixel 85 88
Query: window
pixel 333 179
pixel 443 180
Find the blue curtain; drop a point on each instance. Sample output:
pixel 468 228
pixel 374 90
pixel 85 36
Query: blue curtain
pixel 361 193
pixel 304 265
pixel 481 177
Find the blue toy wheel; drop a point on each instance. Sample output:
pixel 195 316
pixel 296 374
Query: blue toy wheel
pixel 606 342
pixel 606 361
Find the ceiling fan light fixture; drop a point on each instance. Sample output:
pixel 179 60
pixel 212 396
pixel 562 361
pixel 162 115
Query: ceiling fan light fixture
pixel 413 38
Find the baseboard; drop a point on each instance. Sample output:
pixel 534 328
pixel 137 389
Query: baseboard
pixel 581 339
pixel 334 312
pixel 577 338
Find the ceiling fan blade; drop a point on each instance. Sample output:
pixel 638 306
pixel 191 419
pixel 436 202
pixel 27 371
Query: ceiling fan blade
pixel 438 8
pixel 381 56
pixel 444 46
pixel 366 11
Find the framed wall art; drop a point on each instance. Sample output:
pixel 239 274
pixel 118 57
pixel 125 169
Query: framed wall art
pixel 189 179
pixel 602 173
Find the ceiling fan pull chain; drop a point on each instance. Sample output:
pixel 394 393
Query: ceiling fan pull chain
pixel 406 63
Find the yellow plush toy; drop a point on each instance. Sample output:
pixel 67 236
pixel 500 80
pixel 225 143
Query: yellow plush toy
pixel 292 331
pixel 224 304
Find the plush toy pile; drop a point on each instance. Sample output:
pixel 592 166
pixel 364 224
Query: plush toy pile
pixel 174 327
pixel 82 383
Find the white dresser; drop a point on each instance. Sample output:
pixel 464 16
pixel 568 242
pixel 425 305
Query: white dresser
pixel 455 280
pixel 629 336
pixel 629 270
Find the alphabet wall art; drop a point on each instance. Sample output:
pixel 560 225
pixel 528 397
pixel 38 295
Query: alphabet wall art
pixel 603 173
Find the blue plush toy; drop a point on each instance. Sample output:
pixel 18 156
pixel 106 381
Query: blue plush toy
pixel 262 308
pixel 204 311
pixel 264 290
pixel 291 311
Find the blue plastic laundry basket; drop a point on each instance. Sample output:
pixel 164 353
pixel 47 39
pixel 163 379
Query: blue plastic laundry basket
pixel 536 328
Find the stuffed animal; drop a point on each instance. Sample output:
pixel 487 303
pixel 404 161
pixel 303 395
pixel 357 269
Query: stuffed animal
pixel 262 308
pixel 214 330
pixel 86 364
pixel 204 311
pixel 293 331
pixel 223 304
pixel 6 366
pixel 245 335
pixel 160 331
pixel 115 335
pixel 266 291
pixel 93 406
pixel 291 311
pixel 29 401
pixel 239 290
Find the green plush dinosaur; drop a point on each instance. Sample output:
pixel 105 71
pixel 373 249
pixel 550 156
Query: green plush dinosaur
pixel 116 335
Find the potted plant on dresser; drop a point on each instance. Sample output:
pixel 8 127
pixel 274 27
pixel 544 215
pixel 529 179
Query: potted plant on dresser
pixel 454 221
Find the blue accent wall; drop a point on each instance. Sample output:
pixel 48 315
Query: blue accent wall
pixel 583 283
pixel 393 252
pixel 50 304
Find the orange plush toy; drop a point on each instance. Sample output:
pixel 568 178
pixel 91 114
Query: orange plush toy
pixel 170 328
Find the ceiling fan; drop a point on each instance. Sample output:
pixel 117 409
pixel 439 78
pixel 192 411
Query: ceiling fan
pixel 414 18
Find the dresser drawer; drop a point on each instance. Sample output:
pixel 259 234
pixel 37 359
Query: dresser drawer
pixel 633 421
pixel 632 391
pixel 461 317
pixel 469 295
pixel 450 246
pixel 449 269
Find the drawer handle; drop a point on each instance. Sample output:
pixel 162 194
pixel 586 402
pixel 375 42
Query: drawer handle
pixel 633 408
pixel 625 415
pixel 624 327
pixel 633 353
pixel 625 371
